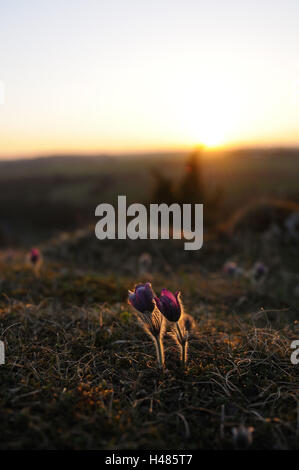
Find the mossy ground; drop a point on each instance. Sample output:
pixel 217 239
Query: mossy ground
pixel 80 373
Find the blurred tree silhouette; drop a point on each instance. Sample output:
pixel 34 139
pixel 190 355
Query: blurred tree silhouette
pixel 163 189
pixel 190 190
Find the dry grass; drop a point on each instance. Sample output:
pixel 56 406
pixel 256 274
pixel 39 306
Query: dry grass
pixel 81 374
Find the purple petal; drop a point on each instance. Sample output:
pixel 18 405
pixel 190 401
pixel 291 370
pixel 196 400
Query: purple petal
pixel 142 297
pixel 169 295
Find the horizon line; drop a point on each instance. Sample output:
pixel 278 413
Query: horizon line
pixel 144 152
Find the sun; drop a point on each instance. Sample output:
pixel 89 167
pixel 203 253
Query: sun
pixel 208 132
pixel 208 125
pixel 212 137
pixel 209 114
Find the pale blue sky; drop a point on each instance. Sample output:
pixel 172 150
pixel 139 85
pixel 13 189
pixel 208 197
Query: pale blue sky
pixel 132 75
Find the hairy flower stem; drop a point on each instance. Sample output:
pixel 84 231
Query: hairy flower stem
pixel 184 354
pixel 179 332
pixel 159 351
pixel 183 344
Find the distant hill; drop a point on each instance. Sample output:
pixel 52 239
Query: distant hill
pixel 40 197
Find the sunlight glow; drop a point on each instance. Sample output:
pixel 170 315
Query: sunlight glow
pixel 195 75
pixel 210 114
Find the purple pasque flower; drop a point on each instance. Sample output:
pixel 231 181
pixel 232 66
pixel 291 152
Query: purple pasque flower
pixel 230 268
pixel 260 270
pixel 34 255
pixel 142 298
pixel 170 305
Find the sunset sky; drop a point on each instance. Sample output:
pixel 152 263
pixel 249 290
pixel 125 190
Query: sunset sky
pixel 139 75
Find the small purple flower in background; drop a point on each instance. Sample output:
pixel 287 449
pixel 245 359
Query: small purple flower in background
pixel 260 271
pixel 230 268
pixel 142 299
pixel 169 305
pixel 34 256
pixel 35 259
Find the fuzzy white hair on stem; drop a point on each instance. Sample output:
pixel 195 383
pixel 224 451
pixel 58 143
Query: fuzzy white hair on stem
pixel 153 324
pixel 181 332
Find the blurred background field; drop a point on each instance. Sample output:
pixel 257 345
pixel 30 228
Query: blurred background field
pixel 42 197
